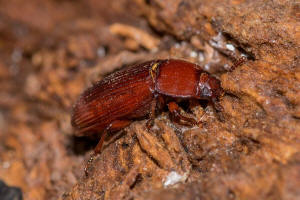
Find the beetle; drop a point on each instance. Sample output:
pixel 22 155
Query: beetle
pixel 136 92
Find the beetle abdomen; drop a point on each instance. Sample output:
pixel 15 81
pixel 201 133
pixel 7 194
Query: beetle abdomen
pixel 123 94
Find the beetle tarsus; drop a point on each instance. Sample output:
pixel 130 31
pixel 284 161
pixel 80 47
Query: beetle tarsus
pixel 149 124
pixel 217 106
pixel 88 164
pixel 178 118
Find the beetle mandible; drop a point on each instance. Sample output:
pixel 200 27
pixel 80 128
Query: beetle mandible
pixel 135 92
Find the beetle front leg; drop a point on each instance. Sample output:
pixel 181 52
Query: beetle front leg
pixel 177 117
pixel 216 104
pixel 219 108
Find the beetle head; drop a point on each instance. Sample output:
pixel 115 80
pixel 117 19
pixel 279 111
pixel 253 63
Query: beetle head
pixel 209 87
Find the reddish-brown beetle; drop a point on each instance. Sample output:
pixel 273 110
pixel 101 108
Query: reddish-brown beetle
pixel 135 92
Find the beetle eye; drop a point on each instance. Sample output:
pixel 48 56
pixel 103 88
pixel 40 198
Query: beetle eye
pixel 206 91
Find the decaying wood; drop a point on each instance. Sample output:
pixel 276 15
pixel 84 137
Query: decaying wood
pixel 51 52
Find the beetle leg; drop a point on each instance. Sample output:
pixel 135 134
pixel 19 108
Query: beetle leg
pixel 177 117
pixel 160 103
pixel 157 103
pixel 98 148
pixel 115 125
pixel 150 121
pixel 217 106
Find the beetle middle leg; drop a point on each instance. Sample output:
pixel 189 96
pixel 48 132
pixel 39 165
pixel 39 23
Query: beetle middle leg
pixel 177 117
pixel 157 103
pixel 115 125
pixel 216 104
pixel 150 121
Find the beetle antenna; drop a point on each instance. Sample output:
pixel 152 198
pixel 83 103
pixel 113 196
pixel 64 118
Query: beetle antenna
pixel 238 62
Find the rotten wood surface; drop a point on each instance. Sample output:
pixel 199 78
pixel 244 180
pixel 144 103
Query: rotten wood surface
pixel 51 52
